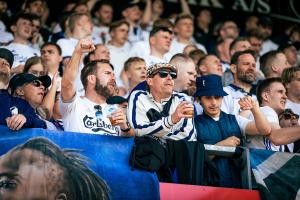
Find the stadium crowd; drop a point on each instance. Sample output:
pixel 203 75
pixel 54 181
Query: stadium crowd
pixel 175 78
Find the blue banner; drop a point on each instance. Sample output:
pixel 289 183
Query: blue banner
pixel 95 158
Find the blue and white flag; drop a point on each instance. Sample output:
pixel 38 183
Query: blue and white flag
pixel 276 173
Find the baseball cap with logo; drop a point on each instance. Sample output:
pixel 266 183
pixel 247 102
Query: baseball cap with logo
pixel 209 85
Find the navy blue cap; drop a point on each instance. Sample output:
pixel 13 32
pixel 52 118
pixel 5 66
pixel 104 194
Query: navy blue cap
pixel 209 85
pixel 19 80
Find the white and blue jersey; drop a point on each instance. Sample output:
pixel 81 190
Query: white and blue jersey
pixel 141 102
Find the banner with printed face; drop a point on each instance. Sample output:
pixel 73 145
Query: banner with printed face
pixel 41 164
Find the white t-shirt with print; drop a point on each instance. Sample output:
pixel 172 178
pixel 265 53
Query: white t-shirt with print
pixel 21 52
pixel 260 142
pixel 79 115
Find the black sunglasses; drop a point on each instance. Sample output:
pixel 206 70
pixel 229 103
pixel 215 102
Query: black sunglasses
pixel 164 74
pixel 36 83
pixel 288 116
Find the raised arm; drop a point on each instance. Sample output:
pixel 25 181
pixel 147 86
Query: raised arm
pixel 68 88
pixel 49 99
pixel 260 125
pixel 185 7
pixel 146 19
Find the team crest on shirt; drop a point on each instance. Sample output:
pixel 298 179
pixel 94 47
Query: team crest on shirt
pixel 98 125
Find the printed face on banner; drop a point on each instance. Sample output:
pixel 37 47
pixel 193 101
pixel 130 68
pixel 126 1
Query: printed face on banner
pixel 38 169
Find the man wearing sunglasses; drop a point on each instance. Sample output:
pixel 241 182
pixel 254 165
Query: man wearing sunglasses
pixel 289 119
pixel 33 90
pixel 15 113
pixel 160 112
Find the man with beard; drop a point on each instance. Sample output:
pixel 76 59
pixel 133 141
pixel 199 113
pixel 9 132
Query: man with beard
pixel 243 68
pixel 90 113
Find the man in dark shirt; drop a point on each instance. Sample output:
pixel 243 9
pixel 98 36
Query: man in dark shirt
pixel 15 113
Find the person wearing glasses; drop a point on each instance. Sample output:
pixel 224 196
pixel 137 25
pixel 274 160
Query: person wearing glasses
pixel 288 119
pixel 90 113
pixel 160 112
pixel 15 113
pixel 33 90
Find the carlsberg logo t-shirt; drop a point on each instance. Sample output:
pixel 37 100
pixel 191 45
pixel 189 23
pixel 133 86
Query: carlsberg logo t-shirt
pixel 83 115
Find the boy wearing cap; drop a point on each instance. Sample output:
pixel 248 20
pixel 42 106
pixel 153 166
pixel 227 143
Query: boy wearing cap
pixel 160 112
pixel 218 128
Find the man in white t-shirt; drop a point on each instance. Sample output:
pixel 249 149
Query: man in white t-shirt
pixel 80 26
pixel 90 113
pixel 118 46
pixel 184 29
pixel 290 78
pixel 103 15
pixel 20 46
pixel 160 41
pixel 132 14
pixel 271 96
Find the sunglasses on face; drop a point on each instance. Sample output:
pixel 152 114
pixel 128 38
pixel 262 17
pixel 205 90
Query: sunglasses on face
pixel 289 116
pixel 164 74
pixel 36 83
